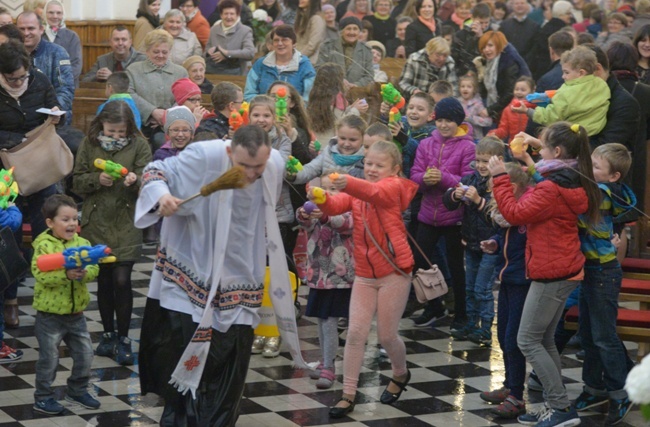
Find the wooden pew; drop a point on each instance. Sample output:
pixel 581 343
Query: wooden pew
pixel 218 78
pixel 392 67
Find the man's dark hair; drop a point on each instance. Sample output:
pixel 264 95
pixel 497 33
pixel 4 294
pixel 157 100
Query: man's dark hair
pixel 54 203
pixel 561 42
pixel 251 138
pixel 284 31
pixel 481 11
pixel 622 56
pixel 119 81
pixel 120 28
pixel 601 57
pixel 10 31
pixel 13 56
pixel 229 4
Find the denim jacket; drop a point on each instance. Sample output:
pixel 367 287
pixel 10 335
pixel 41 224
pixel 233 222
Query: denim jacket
pixel 54 62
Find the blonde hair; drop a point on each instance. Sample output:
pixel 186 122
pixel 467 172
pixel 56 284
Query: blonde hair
pixel 617 156
pixel 32 5
pixel 262 101
pixel 518 176
pixel 438 45
pixel 390 149
pixel 580 58
pixel 353 122
pixel 469 77
pixel 157 37
pixel 490 145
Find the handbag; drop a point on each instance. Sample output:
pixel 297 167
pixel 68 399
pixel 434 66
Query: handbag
pixel 12 263
pixel 41 160
pixel 428 284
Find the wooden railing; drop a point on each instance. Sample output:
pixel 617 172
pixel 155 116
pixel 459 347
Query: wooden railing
pixel 95 37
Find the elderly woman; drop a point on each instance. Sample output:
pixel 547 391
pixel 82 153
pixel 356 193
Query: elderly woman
pixel 57 33
pixel 195 66
pixel 499 67
pixel 424 28
pixel 147 20
pixel 310 28
pixel 428 65
pixel 616 32
pixel 150 83
pixel 642 44
pixel 332 27
pixel 284 63
pixel 185 42
pixel 230 45
pixel 196 22
pixel 354 56
pixel 359 9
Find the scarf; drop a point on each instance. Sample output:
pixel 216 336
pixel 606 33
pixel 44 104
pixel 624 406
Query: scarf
pixel 430 24
pixel 346 159
pixel 547 166
pixel 153 20
pixel 456 20
pixel 15 93
pixel 109 143
pixel 192 15
pixel 340 103
pixel 381 17
pixel 226 29
pixel 490 80
pixel 626 75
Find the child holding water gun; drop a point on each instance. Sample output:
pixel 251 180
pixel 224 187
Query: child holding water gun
pixel 60 297
pixel 330 276
pixel 475 112
pixel 383 265
pixel 550 214
pixel 107 216
pixel 511 123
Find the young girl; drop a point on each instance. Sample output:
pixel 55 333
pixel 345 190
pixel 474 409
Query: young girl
pixel 551 216
pixel 509 244
pixel 475 112
pixel 383 265
pixel 179 128
pixel 327 102
pixel 107 217
pixel 342 152
pixel 512 123
pixel 330 276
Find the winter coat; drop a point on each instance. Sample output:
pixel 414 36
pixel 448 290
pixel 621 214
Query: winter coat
pixel 383 30
pixel 539 57
pixel 309 43
pixel 330 248
pixel 522 34
pixel 239 44
pixel 217 124
pixel 510 124
pixel 107 213
pixel 473 109
pixel 299 72
pixel 140 30
pixel 185 45
pixel 54 62
pixel 453 157
pixel 165 152
pixel 623 115
pixel 199 26
pixel 53 291
pixel 108 61
pixel 552 80
pixel 124 97
pixel 69 40
pixel 464 49
pixel 419 73
pixel 380 205
pixel 409 140
pixel 11 217
pixel 323 162
pixel 391 47
pixel 477 225
pixel 551 216
pixel 418 34
pixel 360 72
pixel 606 39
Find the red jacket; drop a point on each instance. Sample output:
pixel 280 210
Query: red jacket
pixel 510 124
pixel 381 204
pixel 550 213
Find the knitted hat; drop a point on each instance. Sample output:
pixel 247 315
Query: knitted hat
pixel 177 113
pixel 374 44
pixel 183 89
pixel 193 60
pixel 350 20
pixel 450 109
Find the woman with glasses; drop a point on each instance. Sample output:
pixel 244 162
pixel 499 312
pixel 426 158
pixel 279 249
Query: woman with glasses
pixel 230 45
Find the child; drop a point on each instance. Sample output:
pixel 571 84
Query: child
pixel 226 97
pixel 383 265
pixel 107 217
pixel 10 217
pixel 583 98
pixel 342 152
pixel 187 93
pixel 605 366
pixel 378 53
pixel 60 297
pixel 375 132
pixel 475 112
pixel 551 216
pixel 117 88
pixel 509 244
pixel 440 89
pixel 330 277
pixel 474 193
pixel 440 162
pixel 179 131
pixel 511 123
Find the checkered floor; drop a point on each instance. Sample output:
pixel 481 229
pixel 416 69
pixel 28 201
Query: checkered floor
pixel 444 390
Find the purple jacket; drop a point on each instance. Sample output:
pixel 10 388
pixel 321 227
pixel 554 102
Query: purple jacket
pixel 453 157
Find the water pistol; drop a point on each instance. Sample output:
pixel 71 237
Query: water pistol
pixel 115 170
pixel 391 96
pixel 8 187
pixel 318 195
pixel 239 118
pixel 317 146
pixel 78 257
pixel 541 99
pixel 394 116
pixel 281 103
pixel 293 165
pixel 309 207
pixel 518 146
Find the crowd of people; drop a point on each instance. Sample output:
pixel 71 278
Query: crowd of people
pixel 517 157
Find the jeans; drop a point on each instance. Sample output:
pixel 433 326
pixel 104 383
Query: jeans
pixel 511 305
pixel 536 338
pixel 479 277
pixel 605 368
pixel 50 330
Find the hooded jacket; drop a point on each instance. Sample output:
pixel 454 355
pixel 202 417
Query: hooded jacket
pixel 299 72
pixel 510 124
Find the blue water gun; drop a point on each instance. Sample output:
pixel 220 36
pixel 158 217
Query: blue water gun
pixel 78 257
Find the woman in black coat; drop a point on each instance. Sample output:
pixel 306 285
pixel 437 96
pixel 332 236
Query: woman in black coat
pixel 423 29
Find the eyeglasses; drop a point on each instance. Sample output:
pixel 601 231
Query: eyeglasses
pixel 179 131
pixel 195 100
pixel 16 79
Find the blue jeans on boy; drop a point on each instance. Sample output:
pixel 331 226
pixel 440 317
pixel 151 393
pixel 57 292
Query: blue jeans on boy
pixel 605 366
pixel 50 330
pixel 479 278
pixel 511 305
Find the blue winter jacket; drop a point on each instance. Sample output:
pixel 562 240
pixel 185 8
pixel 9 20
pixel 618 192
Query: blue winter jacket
pixel 299 72
pixel 54 62
pixel 11 217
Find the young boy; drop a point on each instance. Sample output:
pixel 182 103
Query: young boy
pixel 117 89
pixel 583 98
pixel 440 89
pixel 474 193
pixel 605 366
pixel 226 97
pixel 375 132
pixel 60 296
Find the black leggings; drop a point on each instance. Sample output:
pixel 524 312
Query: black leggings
pixel 114 296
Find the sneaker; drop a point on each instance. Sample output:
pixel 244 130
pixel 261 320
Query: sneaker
pixel 587 400
pixel 495 396
pixel 534 383
pixel 314 374
pixel 559 418
pixel 510 408
pixel 383 354
pixel 462 333
pixel 85 400
pixel 457 324
pixel 258 344
pixel 326 379
pixel 107 345
pixel 49 407
pixel 124 355
pixel 618 409
pixel 580 355
pixel 8 354
pixel 412 305
pixel 532 417
pixel 428 317
pixel 482 337
pixel 342 324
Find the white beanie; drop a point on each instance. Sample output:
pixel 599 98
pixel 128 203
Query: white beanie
pixel 179 113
